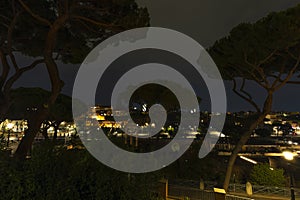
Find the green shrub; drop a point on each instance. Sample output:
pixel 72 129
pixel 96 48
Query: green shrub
pixel 57 173
pixel 262 174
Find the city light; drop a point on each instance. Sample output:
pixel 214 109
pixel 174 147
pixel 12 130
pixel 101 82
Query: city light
pixel 248 159
pixel 9 126
pixel 288 155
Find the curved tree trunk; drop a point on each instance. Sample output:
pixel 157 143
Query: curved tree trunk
pixel 4 103
pixel 33 128
pixel 45 133
pixel 56 83
pixel 56 127
pixel 245 137
pixel 4 106
pixel 55 134
pixel 44 130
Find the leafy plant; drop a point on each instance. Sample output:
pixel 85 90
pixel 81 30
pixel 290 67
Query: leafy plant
pixel 262 174
pixel 56 173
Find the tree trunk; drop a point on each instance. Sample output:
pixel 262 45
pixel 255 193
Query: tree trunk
pixel 44 131
pixel 55 134
pixel 34 125
pixel 3 109
pixel 245 137
pixel 56 86
pixel 56 127
pixel 4 104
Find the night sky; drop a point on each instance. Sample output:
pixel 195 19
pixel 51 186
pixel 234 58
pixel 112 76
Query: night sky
pixel 205 21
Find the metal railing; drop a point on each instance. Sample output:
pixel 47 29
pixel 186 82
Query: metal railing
pixel 190 193
pixel 190 188
pixel 233 197
pixel 181 192
pixel 266 190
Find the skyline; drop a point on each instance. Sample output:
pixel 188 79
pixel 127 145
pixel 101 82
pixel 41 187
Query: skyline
pixel 199 98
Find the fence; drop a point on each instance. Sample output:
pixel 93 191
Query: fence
pixel 181 192
pixel 191 193
pixel 257 189
pixel 233 197
pixel 190 188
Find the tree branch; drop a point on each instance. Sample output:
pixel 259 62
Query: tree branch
pixel 249 100
pixel 86 26
pixel 267 57
pixel 288 82
pixel 19 73
pixel 292 55
pixel 259 70
pixel 67 6
pixel 290 74
pixel 242 71
pixel 5 69
pixel 278 78
pixel 4 17
pixel 10 31
pixel 97 23
pixel 5 25
pixel 293 82
pixel 13 60
pixel 243 91
pixel 90 8
pixel 39 18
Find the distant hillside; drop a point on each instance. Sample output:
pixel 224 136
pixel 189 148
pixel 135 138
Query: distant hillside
pixel 26 101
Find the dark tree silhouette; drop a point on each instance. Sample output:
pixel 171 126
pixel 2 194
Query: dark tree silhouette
pixel 10 70
pixel 266 52
pixel 63 30
pixel 25 101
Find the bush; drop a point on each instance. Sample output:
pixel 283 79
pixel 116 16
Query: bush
pixel 262 175
pixel 263 132
pixel 57 173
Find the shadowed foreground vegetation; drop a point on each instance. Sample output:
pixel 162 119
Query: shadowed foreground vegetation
pixel 57 173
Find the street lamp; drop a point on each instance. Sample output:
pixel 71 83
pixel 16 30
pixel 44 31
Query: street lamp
pixel 289 156
pixel 9 126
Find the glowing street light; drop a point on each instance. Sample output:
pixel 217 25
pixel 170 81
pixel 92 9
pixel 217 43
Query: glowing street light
pixel 248 159
pixel 288 155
